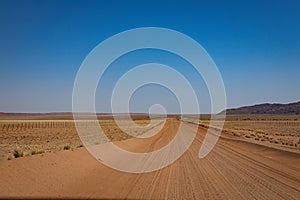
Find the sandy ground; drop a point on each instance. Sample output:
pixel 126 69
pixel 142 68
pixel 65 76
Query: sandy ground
pixel 49 135
pixel 271 130
pixel 233 170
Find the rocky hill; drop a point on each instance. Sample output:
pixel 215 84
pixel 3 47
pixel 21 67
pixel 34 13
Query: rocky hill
pixel 267 108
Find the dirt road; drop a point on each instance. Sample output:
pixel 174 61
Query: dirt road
pixel 233 170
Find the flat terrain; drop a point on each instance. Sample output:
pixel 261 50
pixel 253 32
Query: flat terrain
pixel 237 168
pixel 277 131
pixel 38 136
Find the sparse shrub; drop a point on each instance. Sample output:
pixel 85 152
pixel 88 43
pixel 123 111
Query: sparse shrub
pixel 41 151
pixel 81 145
pixel 33 152
pixel 262 140
pixel 67 147
pixel 248 136
pixel 9 157
pixel 18 153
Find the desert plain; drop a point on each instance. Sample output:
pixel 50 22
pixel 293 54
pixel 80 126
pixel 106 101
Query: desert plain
pixel 256 157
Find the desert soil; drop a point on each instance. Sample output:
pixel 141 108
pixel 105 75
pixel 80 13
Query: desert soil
pixel 235 169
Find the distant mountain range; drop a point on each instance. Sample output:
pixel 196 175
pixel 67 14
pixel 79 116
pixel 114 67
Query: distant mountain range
pixel 267 108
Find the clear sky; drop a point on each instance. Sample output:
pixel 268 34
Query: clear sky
pixel 255 44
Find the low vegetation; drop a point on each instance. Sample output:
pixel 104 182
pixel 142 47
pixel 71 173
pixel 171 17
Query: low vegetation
pixel 29 137
pixel 33 152
pixel 276 130
pixel 18 153
pixel 81 145
pixel 67 147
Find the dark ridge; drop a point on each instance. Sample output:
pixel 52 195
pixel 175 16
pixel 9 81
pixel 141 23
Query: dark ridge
pixel 267 109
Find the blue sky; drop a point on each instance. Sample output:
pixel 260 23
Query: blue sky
pixel 255 44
